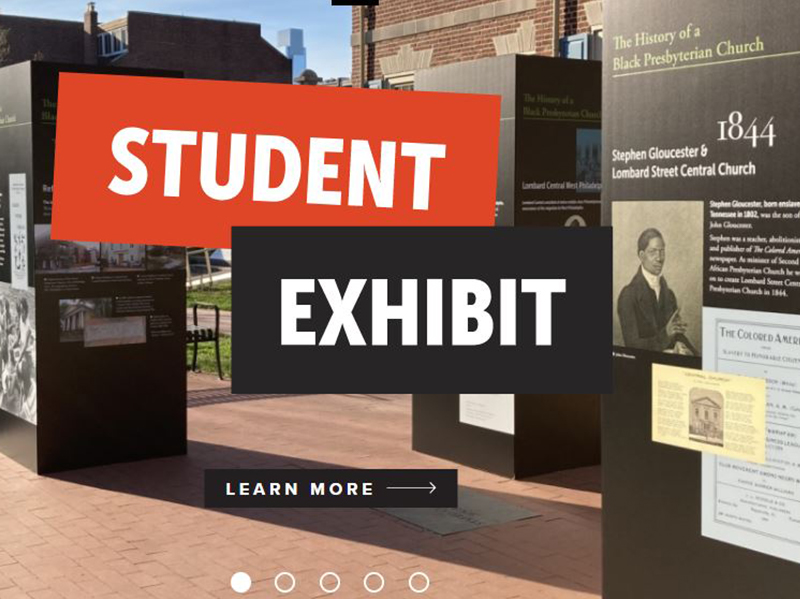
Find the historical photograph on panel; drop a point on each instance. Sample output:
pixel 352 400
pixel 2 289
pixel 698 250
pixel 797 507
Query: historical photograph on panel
pixel 55 256
pixel 75 313
pixel 165 257
pixel 706 416
pixel 588 167
pixel 658 276
pixel 121 330
pixel 18 352
pixel 121 256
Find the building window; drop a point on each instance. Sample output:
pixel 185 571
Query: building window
pixel 584 46
pixel 575 46
pixel 113 43
pixel 401 81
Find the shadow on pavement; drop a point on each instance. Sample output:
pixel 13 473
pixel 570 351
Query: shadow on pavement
pixel 512 549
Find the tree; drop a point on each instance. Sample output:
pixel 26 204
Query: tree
pixel 5 45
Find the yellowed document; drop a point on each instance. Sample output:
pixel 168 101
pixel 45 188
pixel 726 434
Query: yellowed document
pixel 712 412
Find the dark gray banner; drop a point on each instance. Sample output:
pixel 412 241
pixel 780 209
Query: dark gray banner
pixel 425 310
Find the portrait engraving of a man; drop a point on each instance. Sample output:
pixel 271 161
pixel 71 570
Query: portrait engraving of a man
pixel 648 310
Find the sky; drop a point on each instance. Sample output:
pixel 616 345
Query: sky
pixel 326 28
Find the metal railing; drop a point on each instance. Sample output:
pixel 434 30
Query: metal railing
pixel 199 279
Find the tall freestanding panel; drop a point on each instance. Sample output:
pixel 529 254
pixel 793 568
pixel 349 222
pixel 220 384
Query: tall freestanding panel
pixel 548 175
pixel 92 355
pixel 701 184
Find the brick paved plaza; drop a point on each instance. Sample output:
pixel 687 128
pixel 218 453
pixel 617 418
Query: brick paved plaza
pixel 139 530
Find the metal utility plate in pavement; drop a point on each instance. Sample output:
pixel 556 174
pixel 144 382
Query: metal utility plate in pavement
pixel 475 510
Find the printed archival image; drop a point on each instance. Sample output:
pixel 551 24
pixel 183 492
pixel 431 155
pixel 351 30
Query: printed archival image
pixel 658 275
pixel 121 330
pixel 121 256
pixel 53 256
pixel 165 257
pixel 588 167
pixel 75 313
pixel 706 416
pixel 18 352
pixel 19 256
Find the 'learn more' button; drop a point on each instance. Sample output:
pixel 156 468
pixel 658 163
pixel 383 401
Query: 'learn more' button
pixel 330 488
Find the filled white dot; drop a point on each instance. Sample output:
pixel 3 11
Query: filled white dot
pixel 240 582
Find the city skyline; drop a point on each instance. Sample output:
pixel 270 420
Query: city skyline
pixel 326 28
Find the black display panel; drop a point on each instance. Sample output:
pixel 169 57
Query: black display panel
pixel 558 142
pixel 549 433
pixel 496 76
pixel 548 175
pixel 93 352
pixel 550 143
pixel 700 138
pixel 344 304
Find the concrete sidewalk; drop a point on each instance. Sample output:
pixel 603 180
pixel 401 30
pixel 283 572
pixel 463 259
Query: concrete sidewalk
pixel 140 530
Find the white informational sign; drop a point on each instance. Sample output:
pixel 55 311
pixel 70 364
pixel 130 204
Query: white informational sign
pixel 493 411
pixel 18 229
pixel 753 505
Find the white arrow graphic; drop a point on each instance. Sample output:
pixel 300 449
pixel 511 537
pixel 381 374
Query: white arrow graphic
pixel 431 487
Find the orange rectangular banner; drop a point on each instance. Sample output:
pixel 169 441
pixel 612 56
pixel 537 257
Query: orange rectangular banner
pixel 179 162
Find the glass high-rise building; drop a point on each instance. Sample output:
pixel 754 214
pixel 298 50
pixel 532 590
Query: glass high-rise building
pixel 290 41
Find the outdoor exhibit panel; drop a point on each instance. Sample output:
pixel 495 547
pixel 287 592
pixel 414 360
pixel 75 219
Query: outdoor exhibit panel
pixel 511 435
pixel 700 140
pixel 550 144
pixel 548 175
pixel 92 355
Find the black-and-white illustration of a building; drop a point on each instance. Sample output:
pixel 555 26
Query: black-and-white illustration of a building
pixel 74 314
pixel 74 317
pixel 706 420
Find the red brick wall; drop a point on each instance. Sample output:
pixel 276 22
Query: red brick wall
pixel 460 43
pixel 60 41
pixel 389 12
pixel 203 49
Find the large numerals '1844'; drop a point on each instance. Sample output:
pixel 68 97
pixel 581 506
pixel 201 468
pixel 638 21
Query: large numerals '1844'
pixel 734 129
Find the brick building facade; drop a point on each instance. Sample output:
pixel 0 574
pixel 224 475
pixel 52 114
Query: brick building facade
pixel 201 48
pixel 405 35
pixel 46 39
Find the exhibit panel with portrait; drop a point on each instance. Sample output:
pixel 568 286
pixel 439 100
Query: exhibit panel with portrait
pixel 700 181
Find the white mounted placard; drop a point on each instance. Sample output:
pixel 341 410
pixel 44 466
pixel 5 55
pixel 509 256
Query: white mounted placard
pixel 492 411
pixel 18 229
